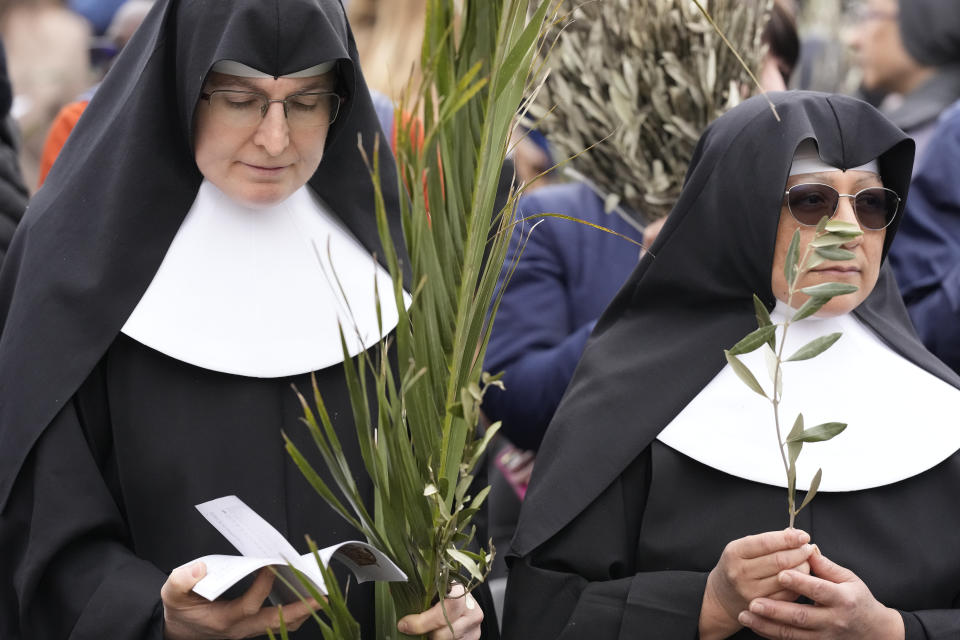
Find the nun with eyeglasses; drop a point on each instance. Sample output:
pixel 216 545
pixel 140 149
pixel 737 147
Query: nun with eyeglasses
pixel 160 298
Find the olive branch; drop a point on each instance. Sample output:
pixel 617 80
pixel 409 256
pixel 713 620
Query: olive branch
pixel 827 242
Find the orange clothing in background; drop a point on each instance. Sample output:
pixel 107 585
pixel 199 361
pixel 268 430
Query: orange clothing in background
pixel 62 125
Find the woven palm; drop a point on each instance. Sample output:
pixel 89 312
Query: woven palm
pixel 646 77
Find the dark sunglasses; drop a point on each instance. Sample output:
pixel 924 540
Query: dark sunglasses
pixel 875 207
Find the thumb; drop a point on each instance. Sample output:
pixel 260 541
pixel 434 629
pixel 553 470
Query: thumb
pixel 823 567
pixel 182 580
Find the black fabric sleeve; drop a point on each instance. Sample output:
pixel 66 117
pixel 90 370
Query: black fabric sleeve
pixel 932 624
pixel 585 583
pixel 67 548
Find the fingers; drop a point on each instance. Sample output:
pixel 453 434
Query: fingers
pixel 763 544
pixel 782 621
pixel 178 587
pixel 821 566
pixel 252 600
pixel 462 611
pixel 772 564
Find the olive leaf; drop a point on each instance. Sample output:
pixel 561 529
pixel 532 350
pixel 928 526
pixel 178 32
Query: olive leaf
pixel 843 227
pixel 815 347
pixel 760 310
pixel 753 340
pixel 833 253
pixel 813 261
pixel 819 433
pixel 744 373
pixel 829 289
pixel 773 369
pixel 812 491
pixel 792 258
pixel 794 444
pixel 810 307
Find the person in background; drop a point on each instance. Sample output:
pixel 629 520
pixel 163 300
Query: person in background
pixel 906 50
pixel 125 22
pixel 13 192
pixel 926 255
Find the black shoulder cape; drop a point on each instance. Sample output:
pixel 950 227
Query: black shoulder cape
pixel 660 341
pixel 95 235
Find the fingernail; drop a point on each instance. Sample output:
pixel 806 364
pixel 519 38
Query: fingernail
pixel 817 550
pixel 196 570
pixel 804 537
pixel 403 627
pixel 744 618
pixel 756 608
pixel 471 603
pixel 785 578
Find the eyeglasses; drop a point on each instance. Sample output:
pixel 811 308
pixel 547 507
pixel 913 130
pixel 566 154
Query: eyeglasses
pixel 246 109
pixel 875 207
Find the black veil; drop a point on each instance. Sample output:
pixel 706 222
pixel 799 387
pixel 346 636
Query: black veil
pixel 661 339
pixel 94 236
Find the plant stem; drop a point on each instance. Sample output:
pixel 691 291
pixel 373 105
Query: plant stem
pixel 791 291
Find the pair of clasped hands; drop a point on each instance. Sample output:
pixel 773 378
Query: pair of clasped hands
pixel 758 579
pixel 187 616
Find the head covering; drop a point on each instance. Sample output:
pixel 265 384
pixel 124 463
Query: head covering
pixel 930 30
pixel 807 159
pixel 96 233
pixel 660 341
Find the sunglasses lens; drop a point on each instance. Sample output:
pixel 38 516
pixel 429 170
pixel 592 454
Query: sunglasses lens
pixel 810 202
pixel 876 207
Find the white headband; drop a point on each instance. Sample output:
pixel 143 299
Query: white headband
pixel 234 68
pixel 807 160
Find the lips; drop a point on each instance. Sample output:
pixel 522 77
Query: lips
pixel 836 270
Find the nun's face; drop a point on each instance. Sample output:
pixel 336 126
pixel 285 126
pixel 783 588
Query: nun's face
pixel 862 271
pixel 265 162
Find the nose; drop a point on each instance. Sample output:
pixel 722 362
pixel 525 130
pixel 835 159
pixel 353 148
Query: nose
pixel 273 133
pixel 846 213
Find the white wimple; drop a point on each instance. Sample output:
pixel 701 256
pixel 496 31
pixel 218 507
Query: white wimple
pixel 901 420
pixel 243 291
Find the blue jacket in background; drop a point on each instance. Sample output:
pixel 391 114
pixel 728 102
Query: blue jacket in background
pixel 926 253
pixel 566 276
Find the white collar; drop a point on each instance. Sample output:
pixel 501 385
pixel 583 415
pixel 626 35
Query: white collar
pixel 243 291
pixel 901 419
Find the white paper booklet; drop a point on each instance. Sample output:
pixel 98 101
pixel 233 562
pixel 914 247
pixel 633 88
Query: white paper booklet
pixel 261 545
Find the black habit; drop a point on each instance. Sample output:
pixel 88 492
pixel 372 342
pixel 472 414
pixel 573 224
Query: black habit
pixel 618 531
pixel 106 444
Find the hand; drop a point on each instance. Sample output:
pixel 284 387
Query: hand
pixel 844 608
pixel 188 616
pixel 463 611
pixel 651 231
pixel 748 569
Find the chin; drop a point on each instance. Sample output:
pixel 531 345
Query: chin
pixel 838 306
pixel 259 198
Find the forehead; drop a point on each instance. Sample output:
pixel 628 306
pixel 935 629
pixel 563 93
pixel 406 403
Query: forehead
pixel 840 180
pixel 271 86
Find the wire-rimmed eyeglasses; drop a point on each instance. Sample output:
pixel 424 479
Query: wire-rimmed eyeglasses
pixel 246 109
pixel 875 207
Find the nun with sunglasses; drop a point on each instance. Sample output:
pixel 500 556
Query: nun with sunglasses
pixel 658 504
pixel 162 295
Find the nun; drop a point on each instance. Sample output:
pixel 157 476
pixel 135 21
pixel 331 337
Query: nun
pixel 159 300
pixel 658 504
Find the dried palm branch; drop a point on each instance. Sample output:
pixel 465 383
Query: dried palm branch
pixel 647 75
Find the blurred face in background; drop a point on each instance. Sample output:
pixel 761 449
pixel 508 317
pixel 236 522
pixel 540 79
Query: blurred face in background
pixel 875 39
